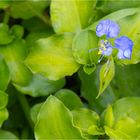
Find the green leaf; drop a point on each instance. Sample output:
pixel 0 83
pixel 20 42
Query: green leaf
pixel 34 111
pixel 34 36
pixel 55 122
pixel 4 74
pixel 85 118
pixel 126 119
pixel 40 86
pixel 31 8
pixel 7 135
pixel 3 115
pixel 71 16
pixel 108 117
pixel 52 57
pixel 69 99
pixel 4 4
pixel 126 81
pixel 95 130
pixel 3 99
pixel 5 36
pixel 82 47
pixel 17 31
pixel 89 68
pixel 109 6
pixel 116 16
pixel 107 73
pixel 14 54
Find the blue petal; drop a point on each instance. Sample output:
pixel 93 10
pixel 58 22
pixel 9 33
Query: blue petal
pixel 108 28
pixel 108 51
pixel 124 44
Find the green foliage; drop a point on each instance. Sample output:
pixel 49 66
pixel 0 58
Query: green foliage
pixel 71 16
pixel 56 82
pixel 69 99
pixel 52 110
pixel 41 58
pixel 126 121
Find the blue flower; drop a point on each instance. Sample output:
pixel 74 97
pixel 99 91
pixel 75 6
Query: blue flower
pixel 111 30
pixel 108 28
pixel 105 48
pixel 124 45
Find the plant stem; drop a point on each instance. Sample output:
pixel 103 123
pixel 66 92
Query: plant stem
pixel 26 108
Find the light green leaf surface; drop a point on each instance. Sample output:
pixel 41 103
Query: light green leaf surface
pixel 107 73
pixel 82 47
pixel 40 86
pixel 84 119
pixel 3 99
pixel 5 36
pixel 109 6
pixel 55 121
pixel 4 74
pixel 3 115
pixel 34 111
pixel 72 15
pixel 52 57
pixel 14 54
pixel 29 8
pixel 7 135
pixel 126 119
pixel 69 98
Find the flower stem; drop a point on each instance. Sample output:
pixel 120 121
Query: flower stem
pixel 26 108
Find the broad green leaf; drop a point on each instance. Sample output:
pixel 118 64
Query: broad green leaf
pixel 72 15
pixel 69 98
pixel 52 57
pixel 5 36
pixel 82 47
pixel 30 8
pixel 3 115
pixel 109 6
pixel 55 121
pixel 7 135
pixel 126 119
pixel 34 111
pixel 85 118
pixel 126 81
pixel 4 74
pixel 35 25
pixel 107 73
pixel 34 36
pixel 14 54
pixel 4 4
pixel 40 86
pixel 3 99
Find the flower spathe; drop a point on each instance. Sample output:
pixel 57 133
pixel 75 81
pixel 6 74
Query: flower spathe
pixel 111 30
